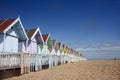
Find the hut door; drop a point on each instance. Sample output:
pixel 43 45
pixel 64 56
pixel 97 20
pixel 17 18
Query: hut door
pixel 11 44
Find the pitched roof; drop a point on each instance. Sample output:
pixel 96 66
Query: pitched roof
pixel 5 23
pixel 59 44
pixel 45 37
pixel 54 42
pixel 30 32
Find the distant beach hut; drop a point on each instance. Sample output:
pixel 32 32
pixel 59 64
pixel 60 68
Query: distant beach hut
pixel 35 40
pixel 61 49
pixel 47 39
pixel 68 54
pixel 55 51
pixel 55 47
pixel 72 55
pixel 76 56
pixel 48 47
pixel 12 34
pixel 65 54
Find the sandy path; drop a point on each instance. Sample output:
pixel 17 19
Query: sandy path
pixel 84 70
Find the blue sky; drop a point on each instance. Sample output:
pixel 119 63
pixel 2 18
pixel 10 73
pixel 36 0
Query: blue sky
pixel 89 26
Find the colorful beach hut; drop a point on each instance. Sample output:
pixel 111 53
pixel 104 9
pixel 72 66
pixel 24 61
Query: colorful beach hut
pixel 48 47
pixel 55 47
pixel 35 40
pixel 55 51
pixel 65 54
pixel 48 43
pixel 61 49
pixel 13 40
pixel 11 34
pixel 68 54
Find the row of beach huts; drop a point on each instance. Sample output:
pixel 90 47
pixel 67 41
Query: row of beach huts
pixel 29 50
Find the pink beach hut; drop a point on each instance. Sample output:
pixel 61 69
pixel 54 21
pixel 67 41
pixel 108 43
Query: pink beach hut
pixel 55 52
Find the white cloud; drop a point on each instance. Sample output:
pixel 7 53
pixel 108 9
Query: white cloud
pixel 105 51
pixel 106 47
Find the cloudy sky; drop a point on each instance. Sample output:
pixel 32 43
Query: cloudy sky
pixel 89 26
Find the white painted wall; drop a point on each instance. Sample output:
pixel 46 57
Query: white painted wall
pixel 45 49
pixel 53 52
pixel 38 49
pixel 58 52
pixel 11 43
pixel 32 47
pixel 22 46
pixel 1 42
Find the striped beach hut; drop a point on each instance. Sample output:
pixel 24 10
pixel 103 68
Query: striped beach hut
pixel 13 40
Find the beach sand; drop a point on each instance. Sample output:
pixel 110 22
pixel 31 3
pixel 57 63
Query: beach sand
pixel 83 70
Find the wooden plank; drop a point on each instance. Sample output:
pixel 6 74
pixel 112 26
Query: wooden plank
pixel 25 63
pixel 5 68
pixel 9 61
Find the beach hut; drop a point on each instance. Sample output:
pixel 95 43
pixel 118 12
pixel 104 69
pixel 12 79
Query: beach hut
pixel 55 51
pixel 12 35
pixel 65 54
pixel 75 56
pixel 71 55
pixel 55 47
pixel 66 57
pixel 61 49
pixel 48 47
pixel 68 54
pixel 35 39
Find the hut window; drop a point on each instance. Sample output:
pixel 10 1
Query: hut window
pixel 11 27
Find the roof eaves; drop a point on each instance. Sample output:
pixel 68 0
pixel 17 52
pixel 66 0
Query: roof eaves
pixel 22 27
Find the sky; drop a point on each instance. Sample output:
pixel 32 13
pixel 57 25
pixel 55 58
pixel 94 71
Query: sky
pixel 91 27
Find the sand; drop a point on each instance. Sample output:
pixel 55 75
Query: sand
pixel 84 70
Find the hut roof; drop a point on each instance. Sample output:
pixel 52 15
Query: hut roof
pixel 45 36
pixel 30 32
pixel 5 23
pixel 15 24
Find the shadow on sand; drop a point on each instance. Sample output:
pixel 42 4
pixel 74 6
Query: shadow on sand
pixel 4 74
